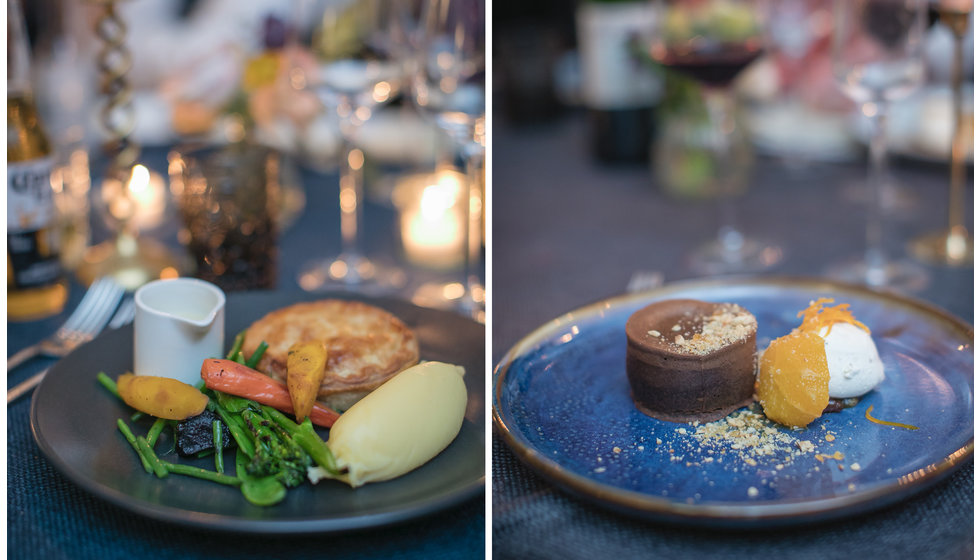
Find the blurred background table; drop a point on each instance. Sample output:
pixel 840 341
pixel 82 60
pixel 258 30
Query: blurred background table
pixel 568 231
pixel 49 517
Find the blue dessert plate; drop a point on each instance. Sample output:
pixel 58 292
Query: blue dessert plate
pixel 562 402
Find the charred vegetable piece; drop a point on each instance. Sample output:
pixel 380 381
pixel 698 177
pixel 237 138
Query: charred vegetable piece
pixel 196 434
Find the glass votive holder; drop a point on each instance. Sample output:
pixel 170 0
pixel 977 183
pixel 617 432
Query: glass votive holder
pixel 227 198
pixel 431 218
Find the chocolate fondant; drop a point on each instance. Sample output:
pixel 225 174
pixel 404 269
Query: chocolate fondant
pixel 691 360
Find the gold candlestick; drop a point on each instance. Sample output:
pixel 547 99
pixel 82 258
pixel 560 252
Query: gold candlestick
pixel 127 258
pixel 115 61
pixel 953 246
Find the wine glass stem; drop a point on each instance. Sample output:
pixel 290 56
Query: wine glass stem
pixel 956 190
pixel 472 222
pixel 720 103
pixel 351 193
pixel 874 254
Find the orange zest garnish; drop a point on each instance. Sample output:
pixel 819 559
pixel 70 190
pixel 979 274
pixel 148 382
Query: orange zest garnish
pixel 822 456
pixel 867 415
pixel 816 316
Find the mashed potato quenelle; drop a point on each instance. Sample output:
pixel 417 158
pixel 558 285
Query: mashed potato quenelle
pixel 399 426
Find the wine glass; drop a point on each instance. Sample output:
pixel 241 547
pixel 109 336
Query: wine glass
pixel 877 57
pixel 712 42
pixel 954 246
pixel 354 67
pixel 449 86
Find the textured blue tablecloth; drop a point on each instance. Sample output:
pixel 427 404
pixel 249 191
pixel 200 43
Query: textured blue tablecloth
pixel 50 518
pixel 568 232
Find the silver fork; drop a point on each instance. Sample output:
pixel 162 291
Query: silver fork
pixel 85 322
pixel 124 315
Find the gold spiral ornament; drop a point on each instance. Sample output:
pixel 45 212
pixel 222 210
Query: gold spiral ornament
pixel 114 61
pixel 128 258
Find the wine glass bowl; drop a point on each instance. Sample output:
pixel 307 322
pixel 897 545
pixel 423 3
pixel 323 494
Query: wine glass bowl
pixel 445 84
pixel 449 79
pixel 877 57
pixel 713 42
pixel 877 49
pixel 449 88
pixel 356 65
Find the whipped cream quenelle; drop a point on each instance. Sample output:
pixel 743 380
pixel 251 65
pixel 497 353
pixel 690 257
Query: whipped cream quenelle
pixel 852 358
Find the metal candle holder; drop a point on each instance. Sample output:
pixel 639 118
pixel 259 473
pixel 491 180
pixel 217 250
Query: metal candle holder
pixel 115 62
pixel 127 258
pixel 953 246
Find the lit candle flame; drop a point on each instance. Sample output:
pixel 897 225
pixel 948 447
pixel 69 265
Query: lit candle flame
pixel 432 226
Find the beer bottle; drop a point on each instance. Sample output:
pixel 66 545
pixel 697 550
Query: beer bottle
pixel 36 284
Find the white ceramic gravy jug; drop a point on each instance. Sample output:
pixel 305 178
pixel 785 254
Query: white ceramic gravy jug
pixel 179 323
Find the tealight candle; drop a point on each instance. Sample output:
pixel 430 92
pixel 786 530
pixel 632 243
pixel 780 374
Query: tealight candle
pixel 432 220
pixel 141 202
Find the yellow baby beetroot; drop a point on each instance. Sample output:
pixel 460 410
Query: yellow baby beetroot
pixel 794 379
pixel 162 397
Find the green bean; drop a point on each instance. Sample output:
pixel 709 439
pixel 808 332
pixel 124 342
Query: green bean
pixel 158 467
pixel 231 403
pixel 219 458
pixel 205 474
pixel 253 360
pixel 108 383
pixel 154 433
pixel 241 436
pixel 236 347
pixel 128 434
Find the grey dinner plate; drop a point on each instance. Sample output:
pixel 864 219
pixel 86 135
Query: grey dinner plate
pixel 73 420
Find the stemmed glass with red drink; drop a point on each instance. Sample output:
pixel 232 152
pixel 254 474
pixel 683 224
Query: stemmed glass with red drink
pixel 712 41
